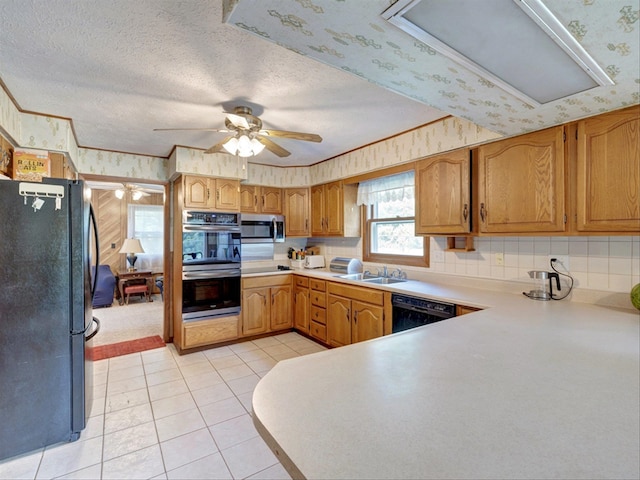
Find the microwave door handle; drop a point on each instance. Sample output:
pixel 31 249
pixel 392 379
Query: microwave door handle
pixel 274 229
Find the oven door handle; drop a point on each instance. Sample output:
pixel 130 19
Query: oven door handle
pixel 210 228
pixel 211 274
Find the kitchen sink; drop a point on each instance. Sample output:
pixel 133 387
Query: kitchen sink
pixel 358 276
pixel 384 280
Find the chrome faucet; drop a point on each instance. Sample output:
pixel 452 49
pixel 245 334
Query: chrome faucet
pixel 397 273
pixel 385 272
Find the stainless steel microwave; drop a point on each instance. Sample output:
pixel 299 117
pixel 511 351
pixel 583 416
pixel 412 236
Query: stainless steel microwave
pixel 256 228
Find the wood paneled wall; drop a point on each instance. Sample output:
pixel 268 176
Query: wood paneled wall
pixel 111 215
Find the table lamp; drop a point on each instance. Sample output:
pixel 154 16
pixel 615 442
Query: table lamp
pixel 131 246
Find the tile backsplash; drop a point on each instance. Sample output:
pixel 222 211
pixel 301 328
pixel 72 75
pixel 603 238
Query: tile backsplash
pixel 595 263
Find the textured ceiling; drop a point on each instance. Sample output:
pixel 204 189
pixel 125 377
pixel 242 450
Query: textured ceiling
pixel 120 68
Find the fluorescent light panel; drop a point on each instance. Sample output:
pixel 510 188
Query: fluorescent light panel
pixel 517 45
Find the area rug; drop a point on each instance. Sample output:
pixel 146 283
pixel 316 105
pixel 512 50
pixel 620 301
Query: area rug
pixel 124 348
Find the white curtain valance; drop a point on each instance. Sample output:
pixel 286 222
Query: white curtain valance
pixel 387 189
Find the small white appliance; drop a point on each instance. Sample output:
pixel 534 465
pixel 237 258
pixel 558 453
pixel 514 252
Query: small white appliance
pixel 314 261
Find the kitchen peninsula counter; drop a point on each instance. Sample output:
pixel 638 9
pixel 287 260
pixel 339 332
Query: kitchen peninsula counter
pixel 523 389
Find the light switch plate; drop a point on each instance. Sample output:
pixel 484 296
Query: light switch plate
pixel 499 258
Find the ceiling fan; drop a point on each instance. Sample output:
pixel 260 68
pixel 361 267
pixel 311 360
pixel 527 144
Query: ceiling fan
pixel 131 190
pixel 247 135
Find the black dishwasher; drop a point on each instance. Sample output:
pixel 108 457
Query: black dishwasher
pixel 411 312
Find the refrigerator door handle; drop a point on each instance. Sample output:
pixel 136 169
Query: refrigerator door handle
pixel 92 218
pixel 95 332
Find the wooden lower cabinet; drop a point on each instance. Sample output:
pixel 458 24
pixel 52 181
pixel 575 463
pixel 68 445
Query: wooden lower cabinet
pixel 463 310
pixel 209 331
pixel 318 312
pixel 266 304
pixel 350 319
pixel 301 310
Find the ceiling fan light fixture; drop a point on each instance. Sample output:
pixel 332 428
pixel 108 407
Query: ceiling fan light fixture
pixel 244 146
pixel 231 146
pixel 119 194
pixel 256 146
pixel 136 195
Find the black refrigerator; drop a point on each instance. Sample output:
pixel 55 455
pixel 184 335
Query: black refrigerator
pixel 47 230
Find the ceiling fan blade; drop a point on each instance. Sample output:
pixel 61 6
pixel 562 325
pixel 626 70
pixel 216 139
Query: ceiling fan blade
pixel 191 129
pixel 218 147
pixel 307 137
pixel 272 147
pixel 238 121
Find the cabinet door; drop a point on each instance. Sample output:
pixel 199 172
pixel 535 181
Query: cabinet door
pixel 338 321
pixel 256 310
pixel 521 184
pixel 198 192
pixel 248 199
pixel 318 210
pixel 271 201
pixel 280 307
pixel 367 321
pixel 296 211
pixel 443 200
pixel 301 309
pixel 608 172
pixel 334 209
pixel 227 195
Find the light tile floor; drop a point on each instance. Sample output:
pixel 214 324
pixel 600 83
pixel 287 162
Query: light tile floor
pixel 160 415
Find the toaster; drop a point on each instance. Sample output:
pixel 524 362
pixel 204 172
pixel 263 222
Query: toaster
pixel 314 261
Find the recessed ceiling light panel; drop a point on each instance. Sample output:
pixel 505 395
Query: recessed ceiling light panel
pixel 518 45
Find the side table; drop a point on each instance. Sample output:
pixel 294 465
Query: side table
pixel 136 276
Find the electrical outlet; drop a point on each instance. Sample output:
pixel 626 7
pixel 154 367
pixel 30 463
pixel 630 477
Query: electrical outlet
pixel 499 258
pixel 561 263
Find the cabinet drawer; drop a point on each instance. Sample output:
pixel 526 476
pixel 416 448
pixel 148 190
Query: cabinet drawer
pixel 369 295
pixel 318 314
pixel 319 285
pixel 205 332
pixel 300 281
pixel 318 331
pixel 318 298
pixel 266 281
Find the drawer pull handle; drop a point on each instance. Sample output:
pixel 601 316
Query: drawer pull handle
pixel 483 212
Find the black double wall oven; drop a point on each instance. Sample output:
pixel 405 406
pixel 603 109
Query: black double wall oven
pixel 211 256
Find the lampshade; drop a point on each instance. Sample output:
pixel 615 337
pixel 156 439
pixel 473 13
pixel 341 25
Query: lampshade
pixel 131 245
pixel 243 146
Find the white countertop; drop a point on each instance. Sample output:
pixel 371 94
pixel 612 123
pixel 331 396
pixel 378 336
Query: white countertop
pixel 523 389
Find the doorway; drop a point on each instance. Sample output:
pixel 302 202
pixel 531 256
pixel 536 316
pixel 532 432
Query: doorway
pixel 130 209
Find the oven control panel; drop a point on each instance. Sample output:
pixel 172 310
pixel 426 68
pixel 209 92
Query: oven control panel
pixel 189 217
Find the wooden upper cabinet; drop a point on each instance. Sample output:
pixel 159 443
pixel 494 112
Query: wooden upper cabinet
pixel 257 199
pixel 198 192
pixel 249 198
pixel 521 184
pixel 443 194
pixel 318 214
pixel 227 194
pixel 296 211
pixel 211 193
pixel 334 211
pixel 608 172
